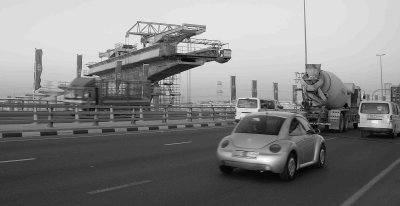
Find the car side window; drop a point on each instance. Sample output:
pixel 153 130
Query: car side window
pixel 305 123
pixel 270 105
pixel 263 104
pixel 296 128
pixel 279 105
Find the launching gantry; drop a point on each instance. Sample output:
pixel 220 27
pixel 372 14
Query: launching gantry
pixel 168 49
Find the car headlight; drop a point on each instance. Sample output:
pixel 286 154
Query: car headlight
pixel 275 148
pixel 224 143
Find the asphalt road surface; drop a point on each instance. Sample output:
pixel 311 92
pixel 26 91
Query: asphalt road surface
pixel 178 167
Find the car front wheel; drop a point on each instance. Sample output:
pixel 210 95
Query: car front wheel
pixel 290 168
pixel 226 169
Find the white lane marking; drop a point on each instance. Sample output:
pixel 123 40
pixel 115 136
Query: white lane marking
pixel 370 184
pixel 176 143
pixel 331 138
pixel 113 134
pixel 118 187
pixel 19 160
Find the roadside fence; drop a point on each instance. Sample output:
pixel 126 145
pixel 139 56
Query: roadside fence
pixel 52 113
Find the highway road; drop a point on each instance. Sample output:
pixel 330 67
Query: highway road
pixel 178 167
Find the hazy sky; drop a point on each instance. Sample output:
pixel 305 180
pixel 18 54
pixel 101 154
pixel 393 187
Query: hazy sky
pixel 266 38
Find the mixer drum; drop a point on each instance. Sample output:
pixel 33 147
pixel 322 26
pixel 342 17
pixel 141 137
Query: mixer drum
pixel 334 89
pixel 324 88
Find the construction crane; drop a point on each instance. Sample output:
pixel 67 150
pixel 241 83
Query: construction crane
pixel 153 32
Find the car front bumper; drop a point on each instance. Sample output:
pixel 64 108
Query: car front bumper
pixel 274 162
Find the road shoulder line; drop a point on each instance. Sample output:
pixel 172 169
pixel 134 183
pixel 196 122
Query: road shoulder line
pixel 352 199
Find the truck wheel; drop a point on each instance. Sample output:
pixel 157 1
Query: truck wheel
pixel 341 125
pixel 345 124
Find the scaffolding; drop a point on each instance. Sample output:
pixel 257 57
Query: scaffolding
pixel 170 90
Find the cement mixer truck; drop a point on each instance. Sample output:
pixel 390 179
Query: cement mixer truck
pixel 328 101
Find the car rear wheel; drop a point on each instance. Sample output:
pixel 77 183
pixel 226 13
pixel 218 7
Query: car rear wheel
pixel 363 133
pixel 290 168
pixel 226 169
pixel 393 135
pixel 321 157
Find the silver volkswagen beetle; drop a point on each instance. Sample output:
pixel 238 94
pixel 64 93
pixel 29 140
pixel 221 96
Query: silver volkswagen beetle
pixel 280 142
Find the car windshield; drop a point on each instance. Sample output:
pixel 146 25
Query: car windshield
pixel 260 124
pixel 375 108
pixel 247 103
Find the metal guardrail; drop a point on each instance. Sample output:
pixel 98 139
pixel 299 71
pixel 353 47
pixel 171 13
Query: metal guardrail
pixel 23 100
pixel 57 113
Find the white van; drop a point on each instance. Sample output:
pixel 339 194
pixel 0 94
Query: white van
pixel 248 105
pixel 379 116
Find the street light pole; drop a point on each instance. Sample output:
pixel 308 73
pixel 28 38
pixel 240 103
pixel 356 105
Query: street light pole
pixel 305 32
pixel 380 62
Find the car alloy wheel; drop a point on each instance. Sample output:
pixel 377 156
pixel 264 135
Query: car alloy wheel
pixel 289 171
pixel 321 157
pixel 291 167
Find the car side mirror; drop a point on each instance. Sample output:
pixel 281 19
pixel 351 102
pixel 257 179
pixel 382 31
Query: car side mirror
pixel 314 131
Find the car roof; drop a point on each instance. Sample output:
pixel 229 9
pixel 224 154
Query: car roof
pixel 375 101
pixel 275 113
pixel 257 98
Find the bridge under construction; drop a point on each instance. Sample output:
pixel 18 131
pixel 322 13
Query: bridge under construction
pixel 138 76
